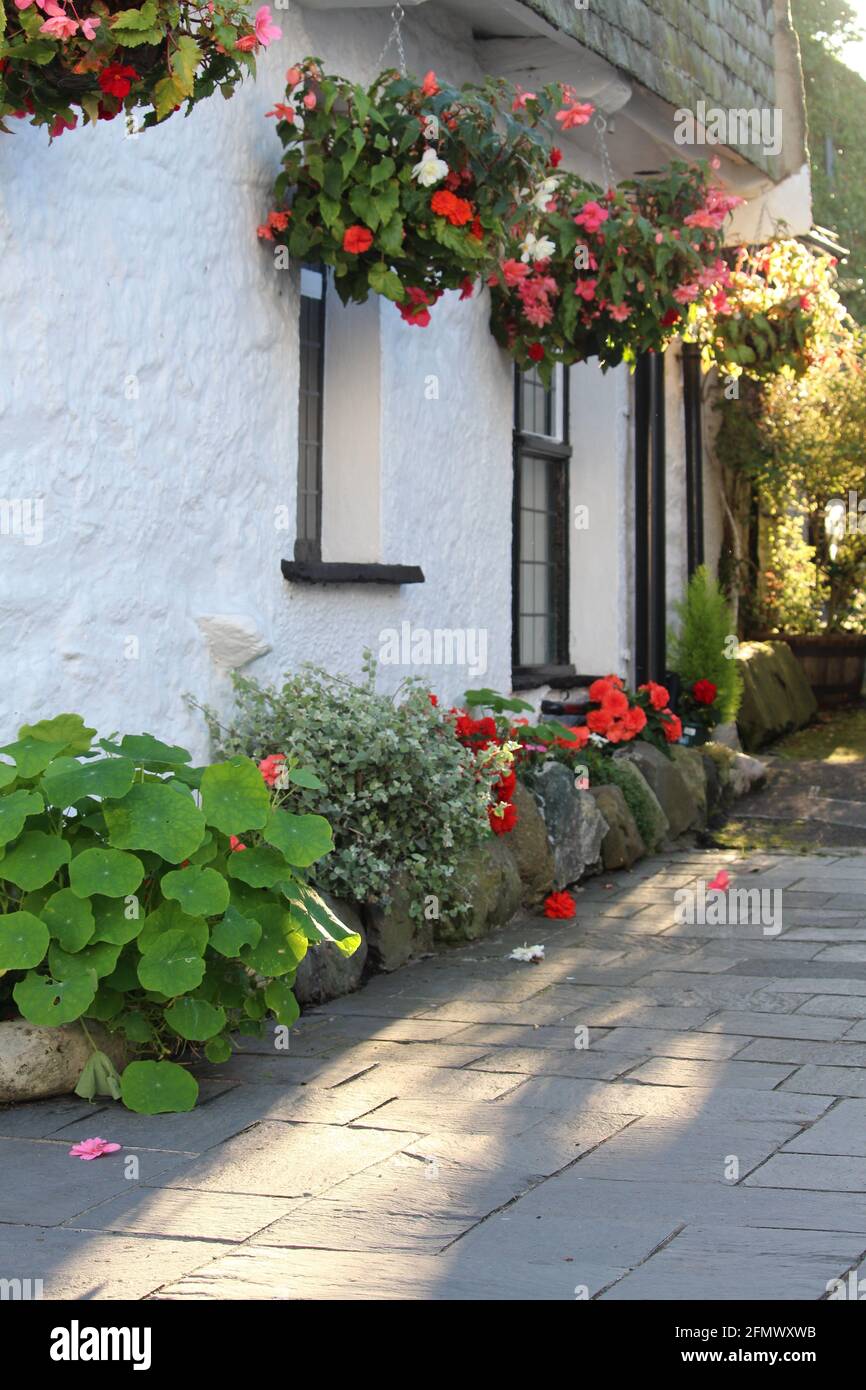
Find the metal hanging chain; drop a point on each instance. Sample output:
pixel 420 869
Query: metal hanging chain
pixel 600 123
pixel 396 37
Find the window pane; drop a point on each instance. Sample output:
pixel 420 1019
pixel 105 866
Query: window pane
pixel 310 389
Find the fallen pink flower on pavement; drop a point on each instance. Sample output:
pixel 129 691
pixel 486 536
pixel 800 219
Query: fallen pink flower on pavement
pixel 721 880
pixel 92 1148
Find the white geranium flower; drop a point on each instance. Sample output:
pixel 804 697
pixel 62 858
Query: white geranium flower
pixel 430 169
pixel 527 953
pixel 536 248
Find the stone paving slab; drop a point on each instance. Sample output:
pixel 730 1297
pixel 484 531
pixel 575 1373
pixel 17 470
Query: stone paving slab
pixel 436 1135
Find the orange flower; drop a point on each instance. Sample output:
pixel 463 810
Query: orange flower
pixel 458 211
pixel 357 239
pixel 598 721
pixel 635 720
pixel 615 703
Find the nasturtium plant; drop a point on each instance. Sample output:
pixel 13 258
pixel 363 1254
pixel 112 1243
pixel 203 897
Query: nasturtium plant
pixel 60 60
pixel 128 898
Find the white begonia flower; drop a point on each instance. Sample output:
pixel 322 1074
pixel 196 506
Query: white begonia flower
pixel 544 193
pixel 536 248
pixel 527 953
pixel 430 168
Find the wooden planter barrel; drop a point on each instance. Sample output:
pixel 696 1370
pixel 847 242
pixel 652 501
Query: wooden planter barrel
pixel 834 664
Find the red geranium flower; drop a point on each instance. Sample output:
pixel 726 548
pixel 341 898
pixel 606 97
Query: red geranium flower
pixel 117 78
pixel 357 239
pixel 598 721
pixel 535 352
pixel 704 692
pixel 458 211
pixel 559 905
pixel 504 788
pixel 502 817
pixel 658 696
pixel 672 725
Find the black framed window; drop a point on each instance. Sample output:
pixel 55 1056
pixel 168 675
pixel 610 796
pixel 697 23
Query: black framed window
pixel 308 545
pixel 542 454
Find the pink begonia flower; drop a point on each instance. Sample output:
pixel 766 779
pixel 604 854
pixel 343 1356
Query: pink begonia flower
pixel 282 112
pixel 514 272
pixel 293 77
pixel 620 312
pixel 586 289
pixel 309 100
pixel 89 27
pixel 235 844
pixel 591 216
pixel 721 880
pixel 430 87
pixel 660 236
pixel 266 30
pixel 686 294
pixel 271 767
pixel 264 232
pixel 576 114
pixel 89 1149
pixel 519 102
pixel 58 28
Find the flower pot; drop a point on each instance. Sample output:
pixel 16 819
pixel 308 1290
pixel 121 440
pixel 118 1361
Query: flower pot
pixel 694 735
pixel 833 664
pixel 39 1062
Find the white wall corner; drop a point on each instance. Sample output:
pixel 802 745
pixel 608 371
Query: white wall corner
pixel 233 639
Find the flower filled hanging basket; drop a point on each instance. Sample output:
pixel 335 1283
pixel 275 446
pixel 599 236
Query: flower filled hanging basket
pixel 61 62
pixel 410 187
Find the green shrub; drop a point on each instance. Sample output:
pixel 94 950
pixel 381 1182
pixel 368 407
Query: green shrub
pixel 126 898
pixel 702 648
pixel 400 791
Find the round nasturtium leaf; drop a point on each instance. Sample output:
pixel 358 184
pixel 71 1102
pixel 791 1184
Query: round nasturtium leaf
pixel 152 816
pixel 195 1019
pixel 107 871
pixel 67 780
pixel 34 859
pixel 173 965
pixel 261 867
pixel 14 810
pixel 107 1004
pixel 200 892
pixel 23 941
pixel 68 729
pixel 233 932
pixel 101 958
pixel 146 748
pixel 48 1003
pixel 135 1027
pixel 69 919
pixel 218 1050
pixel 301 839
pixel 118 920
pixel 234 797
pixel 32 755
pixel 282 1002
pixel 170 916
pixel 280 948
pixel 158 1088
pixel 8 773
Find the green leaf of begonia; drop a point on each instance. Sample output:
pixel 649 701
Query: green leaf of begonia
pixel 234 932
pixel 69 919
pixel 301 839
pixel 107 871
pixel 49 1003
pixel 200 892
pixel 34 859
pixel 261 867
pixel 157 1088
pixel 152 816
pixel 14 810
pixel 173 965
pixel 67 780
pixel 195 1019
pixel 23 941
pixel 234 797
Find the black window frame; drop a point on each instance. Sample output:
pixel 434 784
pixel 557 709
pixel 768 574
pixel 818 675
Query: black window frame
pixel 557 452
pixel 311 393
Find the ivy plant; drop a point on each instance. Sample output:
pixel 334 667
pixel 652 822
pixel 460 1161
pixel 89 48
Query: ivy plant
pixel 167 903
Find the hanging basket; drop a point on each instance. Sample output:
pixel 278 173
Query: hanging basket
pixel 93 62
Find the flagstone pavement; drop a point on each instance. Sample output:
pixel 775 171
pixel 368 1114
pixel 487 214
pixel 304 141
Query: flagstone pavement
pixel 654 1111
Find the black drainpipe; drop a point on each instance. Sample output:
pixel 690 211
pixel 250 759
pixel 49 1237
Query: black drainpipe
pixel 694 456
pixel 649 501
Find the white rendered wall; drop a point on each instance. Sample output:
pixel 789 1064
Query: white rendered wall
pixel 150 400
